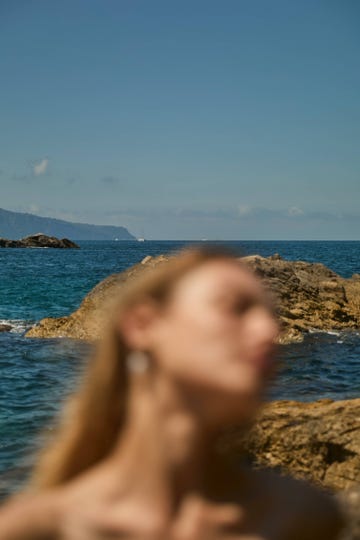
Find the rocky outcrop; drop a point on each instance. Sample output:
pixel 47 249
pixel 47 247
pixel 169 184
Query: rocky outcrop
pixel 39 240
pixel 309 296
pixel 318 441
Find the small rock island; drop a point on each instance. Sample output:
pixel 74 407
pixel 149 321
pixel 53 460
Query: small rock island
pixel 39 240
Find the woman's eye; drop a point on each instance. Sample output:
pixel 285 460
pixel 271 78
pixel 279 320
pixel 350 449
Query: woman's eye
pixel 242 306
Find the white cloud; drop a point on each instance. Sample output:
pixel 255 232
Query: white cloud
pixel 41 167
pixel 244 210
pixel 295 211
pixel 34 209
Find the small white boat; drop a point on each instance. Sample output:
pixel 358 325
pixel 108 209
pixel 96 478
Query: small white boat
pixel 141 239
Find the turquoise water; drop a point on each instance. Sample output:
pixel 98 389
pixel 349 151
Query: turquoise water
pixel 37 374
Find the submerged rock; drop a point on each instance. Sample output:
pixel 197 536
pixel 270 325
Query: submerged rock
pixel 39 240
pixel 5 327
pixel 309 296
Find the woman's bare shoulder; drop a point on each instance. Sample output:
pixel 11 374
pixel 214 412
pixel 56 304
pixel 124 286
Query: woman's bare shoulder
pixel 308 512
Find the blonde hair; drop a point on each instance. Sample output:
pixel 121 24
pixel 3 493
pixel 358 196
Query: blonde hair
pixel 93 418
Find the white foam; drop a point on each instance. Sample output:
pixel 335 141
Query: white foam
pixel 321 331
pixel 17 325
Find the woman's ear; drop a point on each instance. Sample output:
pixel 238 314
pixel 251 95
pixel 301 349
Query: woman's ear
pixel 137 325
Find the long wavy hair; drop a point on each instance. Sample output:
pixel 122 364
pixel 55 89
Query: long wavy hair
pixel 93 418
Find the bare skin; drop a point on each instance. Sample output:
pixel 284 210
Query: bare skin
pixel 211 357
pixel 192 494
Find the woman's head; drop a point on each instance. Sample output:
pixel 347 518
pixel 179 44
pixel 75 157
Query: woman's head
pixel 205 322
pixel 211 331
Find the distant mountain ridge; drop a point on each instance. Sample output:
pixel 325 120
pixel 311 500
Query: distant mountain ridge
pixel 16 225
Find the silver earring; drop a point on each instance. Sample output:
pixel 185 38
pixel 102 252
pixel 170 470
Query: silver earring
pixel 137 362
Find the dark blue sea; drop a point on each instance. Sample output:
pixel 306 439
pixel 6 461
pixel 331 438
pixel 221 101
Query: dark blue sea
pixel 37 374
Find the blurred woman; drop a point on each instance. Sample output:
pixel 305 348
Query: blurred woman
pixel 189 352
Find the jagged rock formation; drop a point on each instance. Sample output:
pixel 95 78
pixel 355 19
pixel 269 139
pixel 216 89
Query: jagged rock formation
pixel 309 296
pixel 318 441
pixel 39 240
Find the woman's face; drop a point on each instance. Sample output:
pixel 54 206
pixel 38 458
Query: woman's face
pixel 216 337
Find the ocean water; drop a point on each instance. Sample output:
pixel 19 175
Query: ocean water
pixel 36 374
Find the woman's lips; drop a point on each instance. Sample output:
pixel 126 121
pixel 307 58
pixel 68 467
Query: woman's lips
pixel 264 359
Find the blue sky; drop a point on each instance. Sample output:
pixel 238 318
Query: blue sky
pixel 184 119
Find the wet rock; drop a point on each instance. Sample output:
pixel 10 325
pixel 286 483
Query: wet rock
pixel 5 327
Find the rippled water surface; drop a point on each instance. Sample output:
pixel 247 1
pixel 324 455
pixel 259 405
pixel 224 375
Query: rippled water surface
pixel 37 374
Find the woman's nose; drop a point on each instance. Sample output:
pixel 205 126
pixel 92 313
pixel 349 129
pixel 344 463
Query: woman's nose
pixel 265 325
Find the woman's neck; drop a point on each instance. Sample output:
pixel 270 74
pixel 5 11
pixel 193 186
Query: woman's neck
pixel 164 452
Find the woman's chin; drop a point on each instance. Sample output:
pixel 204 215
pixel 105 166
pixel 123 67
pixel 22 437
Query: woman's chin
pixel 236 408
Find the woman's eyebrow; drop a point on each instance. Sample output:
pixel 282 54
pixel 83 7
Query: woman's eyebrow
pixel 237 294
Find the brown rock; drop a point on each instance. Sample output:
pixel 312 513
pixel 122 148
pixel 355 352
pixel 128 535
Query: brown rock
pixel 5 327
pixel 318 441
pixel 39 240
pixel 309 296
